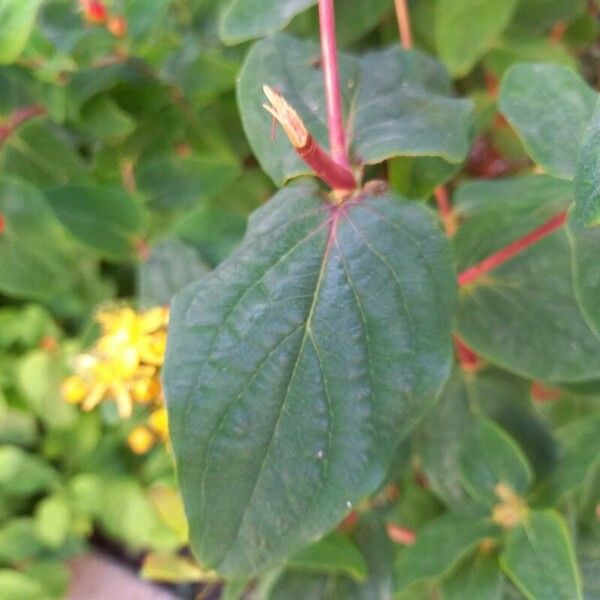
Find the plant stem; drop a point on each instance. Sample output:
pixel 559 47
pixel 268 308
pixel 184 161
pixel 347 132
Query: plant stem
pixel 510 251
pixel 403 16
pixel 331 78
pixel 19 116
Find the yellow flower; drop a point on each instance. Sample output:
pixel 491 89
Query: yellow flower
pixel 159 423
pixel 124 364
pixel 140 439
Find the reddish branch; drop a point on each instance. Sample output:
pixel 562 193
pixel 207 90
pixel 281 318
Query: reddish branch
pixel 322 164
pixel 403 16
pixel 20 116
pixel 331 79
pixel 510 251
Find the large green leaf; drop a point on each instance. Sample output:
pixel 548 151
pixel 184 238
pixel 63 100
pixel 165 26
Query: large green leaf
pixel 440 546
pixel 298 365
pixel 540 560
pixel 587 176
pixel 17 19
pixel 397 103
pixel 489 457
pixel 495 213
pixel 246 19
pixel 504 315
pixel 539 15
pixel 105 219
pixel 33 261
pixel 465 29
pixel 549 106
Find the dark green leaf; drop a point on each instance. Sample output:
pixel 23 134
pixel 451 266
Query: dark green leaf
pixel 540 560
pixel 335 553
pixel 587 176
pixel 489 457
pixel 398 104
pixel 33 260
pixel 465 29
pixel 540 15
pixel 105 219
pixel 171 266
pixel 24 474
pixel 549 106
pixel 440 546
pixel 479 578
pixel 246 19
pixel 17 19
pixel 299 364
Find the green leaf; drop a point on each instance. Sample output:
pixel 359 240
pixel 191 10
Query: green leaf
pixel 465 29
pixel 17 19
pixel 33 263
pixel 171 266
pixel 24 474
pixel 246 19
pixel 335 553
pixel 488 457
pixel 397 102
pixel 14 584
pixel 540 15
pixel 549 106
pixel 103 118
pixel 299 364
pixel 587 176
pixel 540 560
pixel 585 245
pixel 479 578
pixel 494 214
pixel 53 520
pixel 440 546
pixel 19 541
pixel 500 313
pixel 104 219
pixel 580 454
pixel 173 183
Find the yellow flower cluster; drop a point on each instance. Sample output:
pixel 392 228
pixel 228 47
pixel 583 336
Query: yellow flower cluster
pixel 124 367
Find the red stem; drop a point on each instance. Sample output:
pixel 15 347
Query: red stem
pixel 510 251
pixel 329 60
pixel 403 16
pixel 18 117
pixel 332 173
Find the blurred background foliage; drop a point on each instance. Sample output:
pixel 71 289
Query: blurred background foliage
pixel 124 175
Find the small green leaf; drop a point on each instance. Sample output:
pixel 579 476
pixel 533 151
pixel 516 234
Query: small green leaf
pixel 14 584
pixel 489 456
pixel 53 520
pixel 298 364
pixel 24 474
pixel 104 219
pixel 171 266
pixel 540 560
pixel 17 18
pixel 19 541
pixel 409 111
pixel 103 118
pixel 335 553
pixel 246 19
pixel 465 29
pixel 440 546
pixel 587 176
pixel 549 106
pixel 478 578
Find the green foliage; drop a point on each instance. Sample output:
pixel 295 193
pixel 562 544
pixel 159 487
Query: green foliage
pixel 327 445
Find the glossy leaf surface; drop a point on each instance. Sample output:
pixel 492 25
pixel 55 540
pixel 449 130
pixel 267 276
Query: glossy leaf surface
pixel 294 369
pixel 549 106
pixel 397 103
